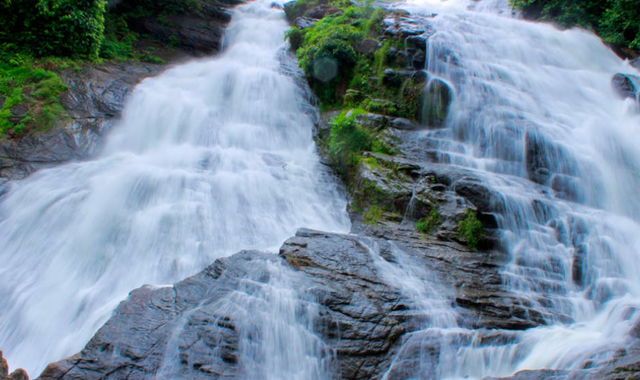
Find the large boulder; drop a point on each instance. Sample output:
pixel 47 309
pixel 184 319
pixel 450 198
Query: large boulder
pixel 437 100
pixel 196 328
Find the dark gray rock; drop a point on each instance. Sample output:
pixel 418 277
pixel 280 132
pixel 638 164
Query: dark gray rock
pixel 400 23
pixel 322 11
pixel 364 320
pixel 368 46
pixel 19 110
pixel 304 22
pixel 197 35
pixel 636 63
pixel 625 85
pixel 437 100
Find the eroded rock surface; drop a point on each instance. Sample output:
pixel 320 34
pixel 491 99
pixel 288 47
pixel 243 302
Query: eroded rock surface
pixel 361 317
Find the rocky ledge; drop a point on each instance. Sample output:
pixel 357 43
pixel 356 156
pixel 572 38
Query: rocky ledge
pixel 362 317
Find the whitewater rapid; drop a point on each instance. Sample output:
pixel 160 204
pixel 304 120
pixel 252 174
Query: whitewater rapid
pixel 210 157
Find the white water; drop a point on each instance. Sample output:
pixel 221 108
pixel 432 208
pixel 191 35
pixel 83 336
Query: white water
pixel 516 84
pixel 210 158
pixel 273 318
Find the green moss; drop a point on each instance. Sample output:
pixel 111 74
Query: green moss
pixel 470 229
pixel 25 84
pixel 428 225
pixel 373 215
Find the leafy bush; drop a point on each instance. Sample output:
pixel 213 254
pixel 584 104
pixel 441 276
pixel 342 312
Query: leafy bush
pixel 53 27
pixel 617 21
pixel 470 229
pixel 428 224
pixel 621 23
pixel 348 140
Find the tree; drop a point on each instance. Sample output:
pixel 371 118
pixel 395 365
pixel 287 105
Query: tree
pixel 53 27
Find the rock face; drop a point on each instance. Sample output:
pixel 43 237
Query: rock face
pixel 95 99
pixel 362 317
pixel 197 30
pixel 18 374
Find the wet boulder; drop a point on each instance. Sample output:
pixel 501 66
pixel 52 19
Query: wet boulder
pixel 626 86
pixel 437 98
pixel 322 11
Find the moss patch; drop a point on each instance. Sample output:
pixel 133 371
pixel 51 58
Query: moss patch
pixel 31 92
pixel 470 229
pixel 429 224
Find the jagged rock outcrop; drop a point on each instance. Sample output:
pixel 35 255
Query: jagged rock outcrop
pixel 362 317
pixel 18 374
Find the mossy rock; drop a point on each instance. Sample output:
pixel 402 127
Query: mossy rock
pixel 437 99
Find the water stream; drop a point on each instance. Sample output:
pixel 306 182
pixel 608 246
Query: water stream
pixel 217 156
pixel 210 158
pixel 535 115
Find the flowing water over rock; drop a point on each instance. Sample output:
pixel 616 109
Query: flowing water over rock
pixel 210 158
pixel 217 156
pixel 535 116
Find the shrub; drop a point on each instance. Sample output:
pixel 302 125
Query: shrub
pixel 616 21
pixel 428 224
pixel 348 140
pixel 53 27
pixel 470 229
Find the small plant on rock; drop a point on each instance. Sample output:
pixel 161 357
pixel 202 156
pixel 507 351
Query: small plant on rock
pixel 428 225
pixel 470 229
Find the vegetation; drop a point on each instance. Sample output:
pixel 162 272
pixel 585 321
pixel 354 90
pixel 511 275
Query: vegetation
pixel 39 38
pixel 372 215
pixel 429 224
pixel 29 93
pixel 70 28
pixel 616 21
pixel 470 229
pixel 348 140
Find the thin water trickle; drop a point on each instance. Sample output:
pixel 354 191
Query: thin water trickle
pixel 211 157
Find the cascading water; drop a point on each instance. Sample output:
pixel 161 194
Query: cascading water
pixel 210 158
pixel 535 115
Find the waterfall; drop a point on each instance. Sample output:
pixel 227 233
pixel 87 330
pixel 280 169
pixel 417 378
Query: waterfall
pixel 535 116
pixel 209 158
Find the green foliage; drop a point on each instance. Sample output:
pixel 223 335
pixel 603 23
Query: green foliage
pixel 72 28
pixel 621 23
pixel 118 39
pixel 348 140
pixel 470 229
pixel 372 215
pixel 428 225
pixel 295 37
pixel 617 21
pixel 149 8
pixel 26 86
